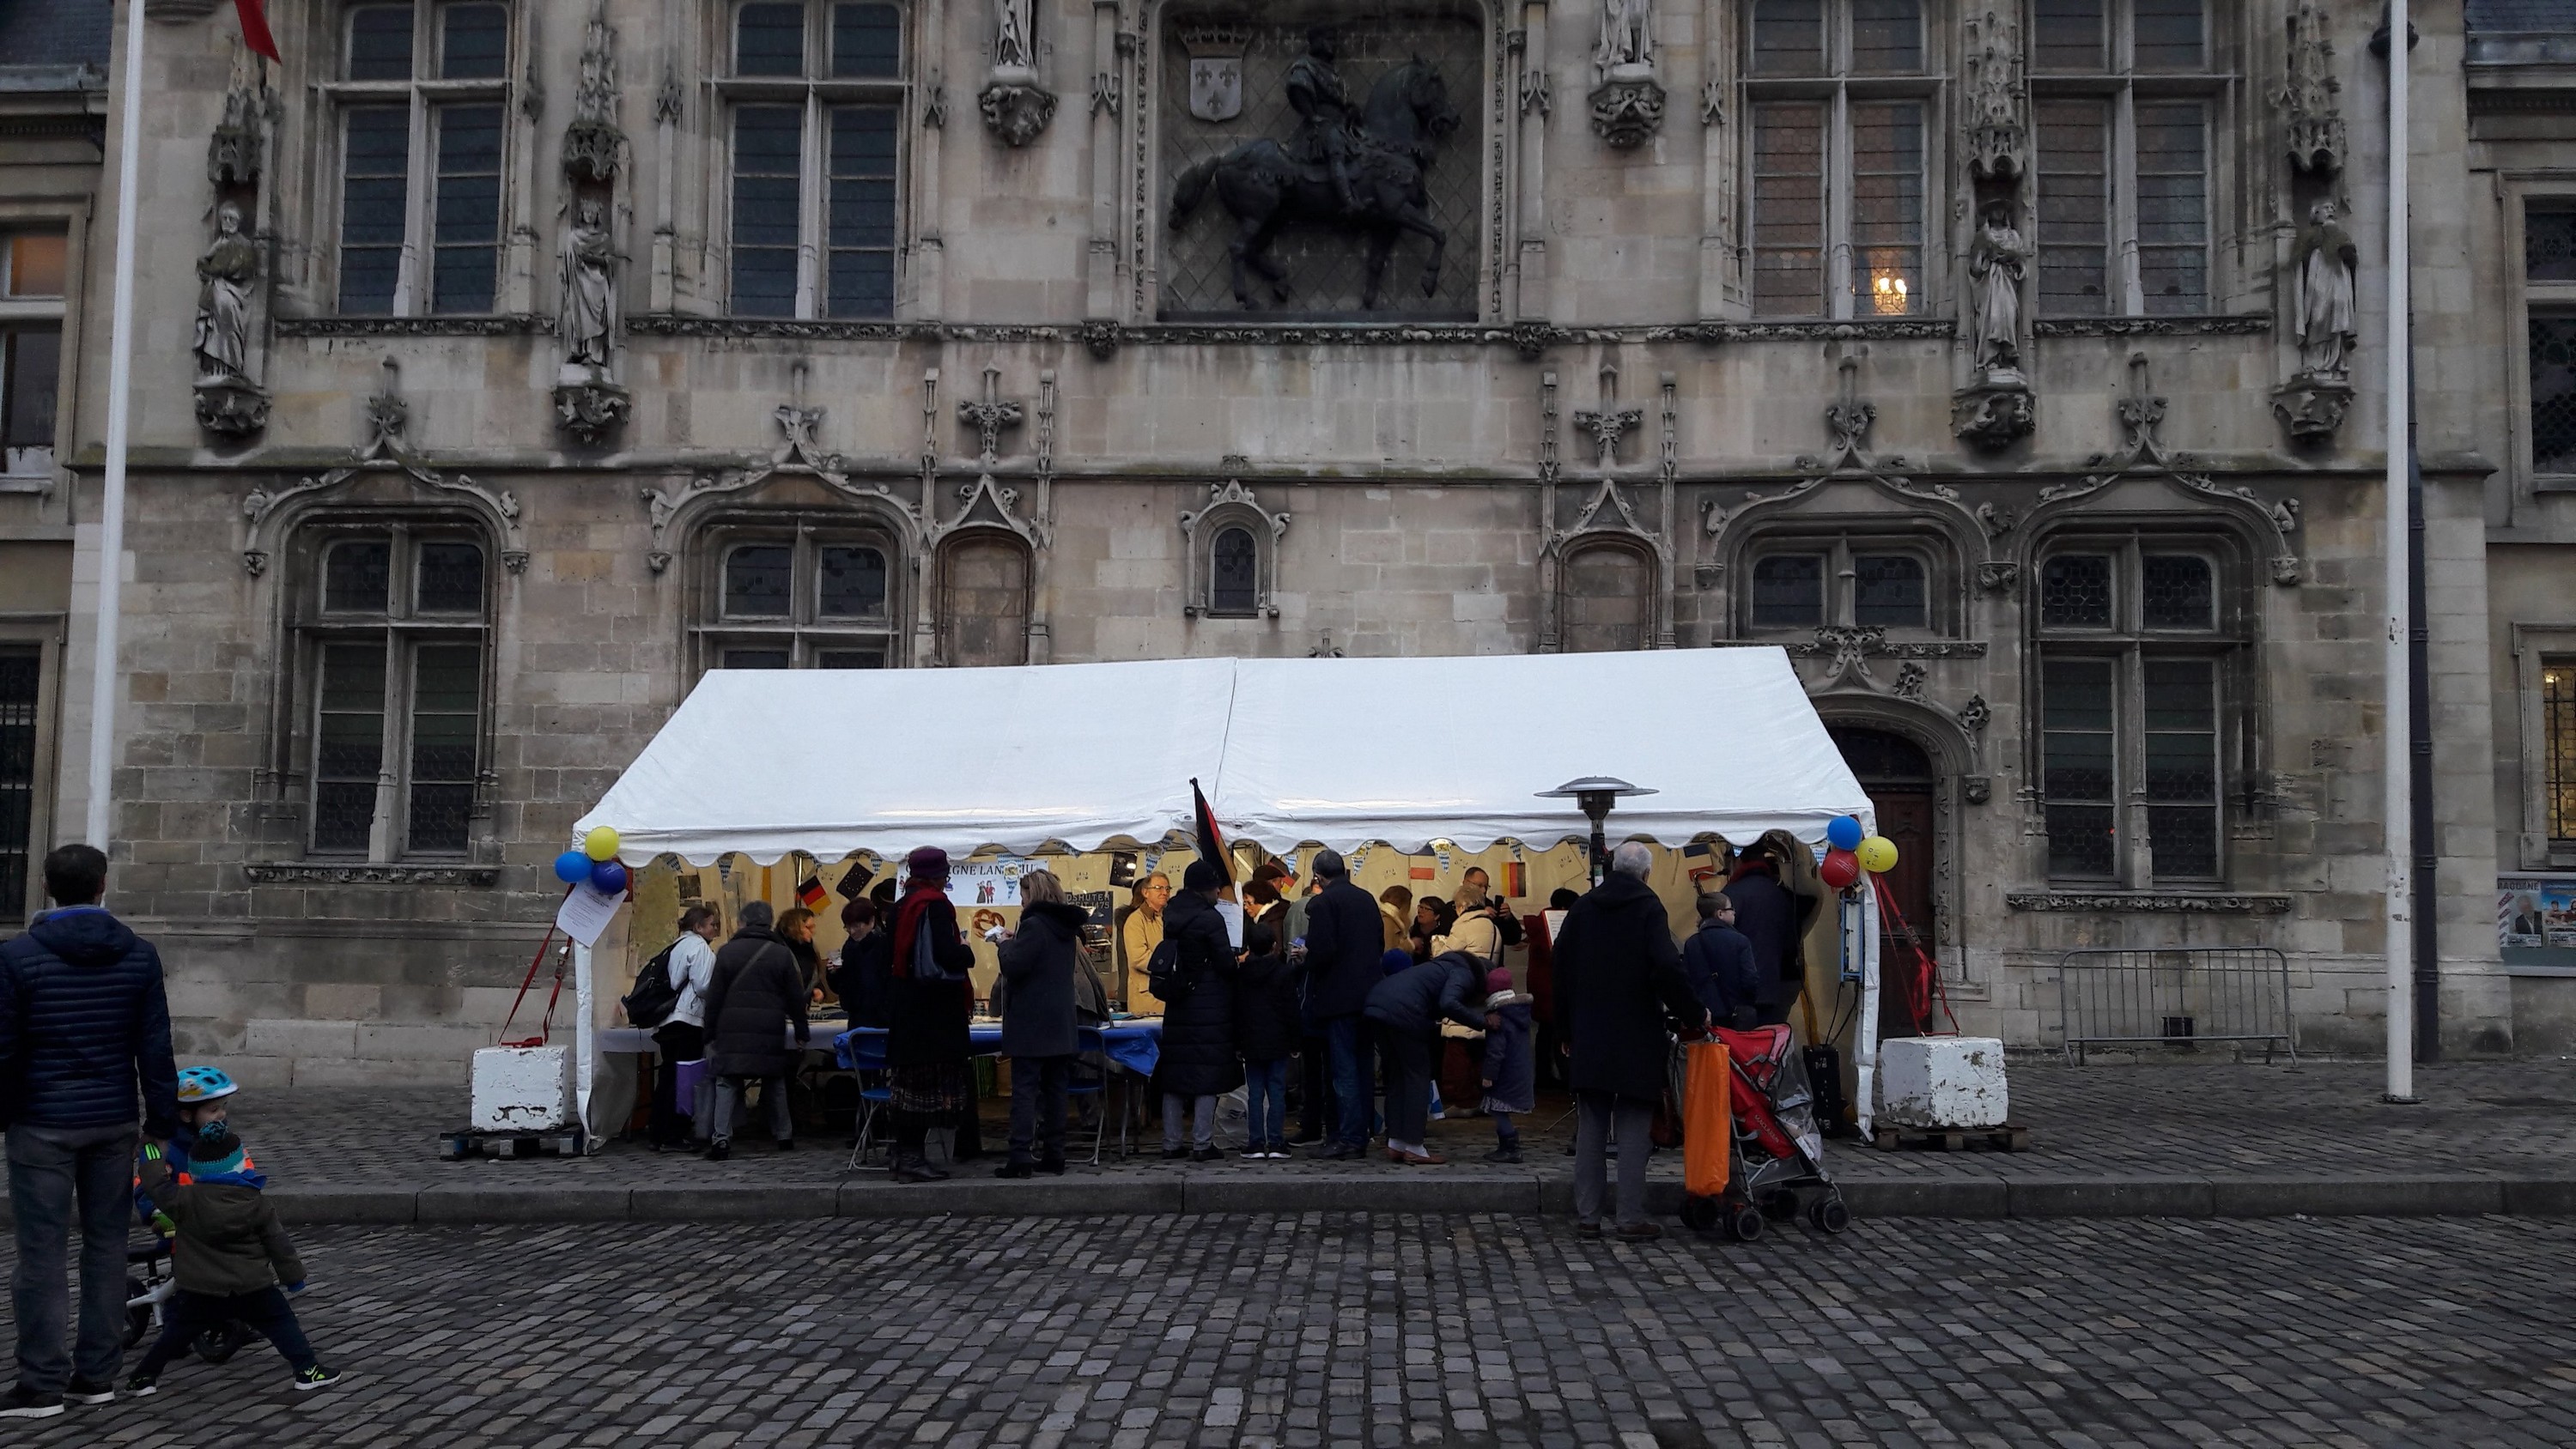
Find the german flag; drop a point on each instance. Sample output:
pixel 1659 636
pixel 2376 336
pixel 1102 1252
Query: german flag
pixel 810 893
pixel 1211 840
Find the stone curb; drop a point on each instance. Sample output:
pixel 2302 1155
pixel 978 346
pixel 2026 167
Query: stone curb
pixel 1398 1190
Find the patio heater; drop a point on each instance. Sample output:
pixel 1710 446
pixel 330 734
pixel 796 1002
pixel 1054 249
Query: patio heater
pixel 1594 795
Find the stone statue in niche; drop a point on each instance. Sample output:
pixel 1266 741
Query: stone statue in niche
pixel 2322 286
pixel 1626 49
pixel 585 314
pixel 1013 54
pixel 1997 262
pixel 1016 108
pixel 224 273
pixel 1627 103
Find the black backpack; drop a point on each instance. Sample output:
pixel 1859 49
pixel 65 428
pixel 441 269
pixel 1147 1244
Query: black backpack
pixel 651 1002
pixel 1163 974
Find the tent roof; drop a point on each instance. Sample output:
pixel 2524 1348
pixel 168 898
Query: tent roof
pixel 1338 751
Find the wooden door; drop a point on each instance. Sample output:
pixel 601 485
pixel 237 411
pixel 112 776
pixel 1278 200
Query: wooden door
pixel 1898 777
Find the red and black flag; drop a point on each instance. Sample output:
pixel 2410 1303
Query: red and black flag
pixel 809 892
pixel 254 24
pixel 1211 840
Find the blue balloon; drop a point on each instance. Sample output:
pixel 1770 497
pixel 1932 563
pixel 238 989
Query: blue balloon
pixel 1843 833
pixel 608 878
pixel 572 867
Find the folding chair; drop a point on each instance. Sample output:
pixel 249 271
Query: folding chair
pixel 865 1053
pixel 1087 1044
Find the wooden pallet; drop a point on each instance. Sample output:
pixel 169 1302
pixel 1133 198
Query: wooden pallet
pixel 2007 1138
pixel 467 1142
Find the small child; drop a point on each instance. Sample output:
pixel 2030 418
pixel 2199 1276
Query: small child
pixel 1509 1071
pixel 1267 1025
pixel 230 1258
pixel 202 1094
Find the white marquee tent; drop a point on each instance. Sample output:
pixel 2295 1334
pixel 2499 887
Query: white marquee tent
pixel 1339 752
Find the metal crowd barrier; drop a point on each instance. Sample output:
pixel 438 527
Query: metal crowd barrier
pixel 2175 996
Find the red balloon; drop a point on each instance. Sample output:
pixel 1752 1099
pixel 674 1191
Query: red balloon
pixel 1840 869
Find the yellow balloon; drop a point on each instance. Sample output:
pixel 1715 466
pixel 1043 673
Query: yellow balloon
pixel 1877 855
pixel 601 844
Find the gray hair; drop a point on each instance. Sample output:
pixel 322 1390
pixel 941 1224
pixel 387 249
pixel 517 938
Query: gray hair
pixel 1328 864
pixel 1632 858
pixel 759 915
pixel 1040 887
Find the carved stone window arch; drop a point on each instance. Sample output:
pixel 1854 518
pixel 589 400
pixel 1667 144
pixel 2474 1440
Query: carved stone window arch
pixel 984 577
pixel 1233 550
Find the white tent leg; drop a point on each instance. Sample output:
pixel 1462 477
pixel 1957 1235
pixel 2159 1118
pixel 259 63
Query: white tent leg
pixel 581 1035
pixel 1865 1031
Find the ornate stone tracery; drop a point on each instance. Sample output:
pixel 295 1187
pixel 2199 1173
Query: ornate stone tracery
pixel 387 451
pixel 1230 506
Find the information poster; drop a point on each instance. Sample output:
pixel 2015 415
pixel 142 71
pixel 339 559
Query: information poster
pixel 2536 921
pixel 974 883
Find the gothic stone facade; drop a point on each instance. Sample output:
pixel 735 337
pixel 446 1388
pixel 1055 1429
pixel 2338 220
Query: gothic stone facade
pixel 2004 369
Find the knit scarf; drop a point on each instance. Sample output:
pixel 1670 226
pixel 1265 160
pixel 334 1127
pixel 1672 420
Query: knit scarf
pixel 1753 865
pixel 917 896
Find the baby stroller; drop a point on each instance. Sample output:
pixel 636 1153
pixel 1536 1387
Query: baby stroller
pixel 1777 1164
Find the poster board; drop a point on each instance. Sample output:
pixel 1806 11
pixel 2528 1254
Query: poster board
pixel 2536 924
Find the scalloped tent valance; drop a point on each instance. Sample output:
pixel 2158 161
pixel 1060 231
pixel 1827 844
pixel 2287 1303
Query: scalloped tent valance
pixel 1341 752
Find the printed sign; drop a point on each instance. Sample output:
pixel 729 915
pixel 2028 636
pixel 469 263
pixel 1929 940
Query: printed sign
pixel 985 882
pixel 2536 921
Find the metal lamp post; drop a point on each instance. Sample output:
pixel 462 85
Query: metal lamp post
pixel 1594 795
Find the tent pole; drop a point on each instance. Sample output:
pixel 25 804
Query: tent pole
pixel 583 1050
pixel 1865 1031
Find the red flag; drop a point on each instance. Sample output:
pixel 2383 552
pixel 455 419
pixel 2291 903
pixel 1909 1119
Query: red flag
pixel 1211 841
pixel 809 892
pixel 254 24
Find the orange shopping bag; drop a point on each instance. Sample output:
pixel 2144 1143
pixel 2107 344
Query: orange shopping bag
pixel 1708 1132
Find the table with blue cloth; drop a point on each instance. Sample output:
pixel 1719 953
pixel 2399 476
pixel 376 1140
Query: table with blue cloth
pixel 1133 1043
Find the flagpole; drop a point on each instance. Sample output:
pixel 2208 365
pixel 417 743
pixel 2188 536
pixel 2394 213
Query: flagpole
pixel 120 406
pixel 2398 801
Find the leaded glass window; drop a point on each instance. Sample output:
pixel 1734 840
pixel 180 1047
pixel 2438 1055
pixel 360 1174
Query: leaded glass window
pixel 2137 648
pixel 2558 747
pixel 424 141
pixel 817 97
pixel 1789 590
pixel 1840 104
pixel 797 597
pixel 33 275
pixel 2549 269
pixel 1234 585
pixel 1888 590
pixel 396 624
pixel 2121 197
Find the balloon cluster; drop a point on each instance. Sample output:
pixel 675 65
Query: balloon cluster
pixel 595 862
pixel 1849 850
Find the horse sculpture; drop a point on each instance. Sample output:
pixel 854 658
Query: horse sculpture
pixel 1262 187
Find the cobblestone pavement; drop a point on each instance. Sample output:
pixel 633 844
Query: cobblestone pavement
pixel 1394 1329
pixel 2321 1118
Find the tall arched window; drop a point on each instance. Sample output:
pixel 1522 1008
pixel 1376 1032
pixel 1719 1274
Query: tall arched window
pixel 1234 585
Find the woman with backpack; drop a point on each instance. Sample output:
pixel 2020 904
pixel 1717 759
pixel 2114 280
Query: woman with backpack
pixel 927 1011
pixel 690 968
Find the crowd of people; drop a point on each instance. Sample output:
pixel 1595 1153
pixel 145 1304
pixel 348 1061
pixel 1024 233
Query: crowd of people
pixel 1325 987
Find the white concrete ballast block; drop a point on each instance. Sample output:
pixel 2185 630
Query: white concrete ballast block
pixel 1944 1081
pixel 522 1089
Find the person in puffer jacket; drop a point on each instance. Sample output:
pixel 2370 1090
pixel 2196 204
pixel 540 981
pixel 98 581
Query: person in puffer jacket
pixel 231 1258
pixel 84 1053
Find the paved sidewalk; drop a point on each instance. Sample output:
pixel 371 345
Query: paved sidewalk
pixel 2188 1140
pixel 1462 1331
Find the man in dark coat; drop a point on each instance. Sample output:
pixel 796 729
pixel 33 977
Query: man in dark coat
pixel 1198 1063
pixel 1344 939
pixel 1719 962
pixel 758 990
pixel 1038 1027
pixel 1774 919
pixel 1407 1009
pixel 84 1052
pixel 1619 981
